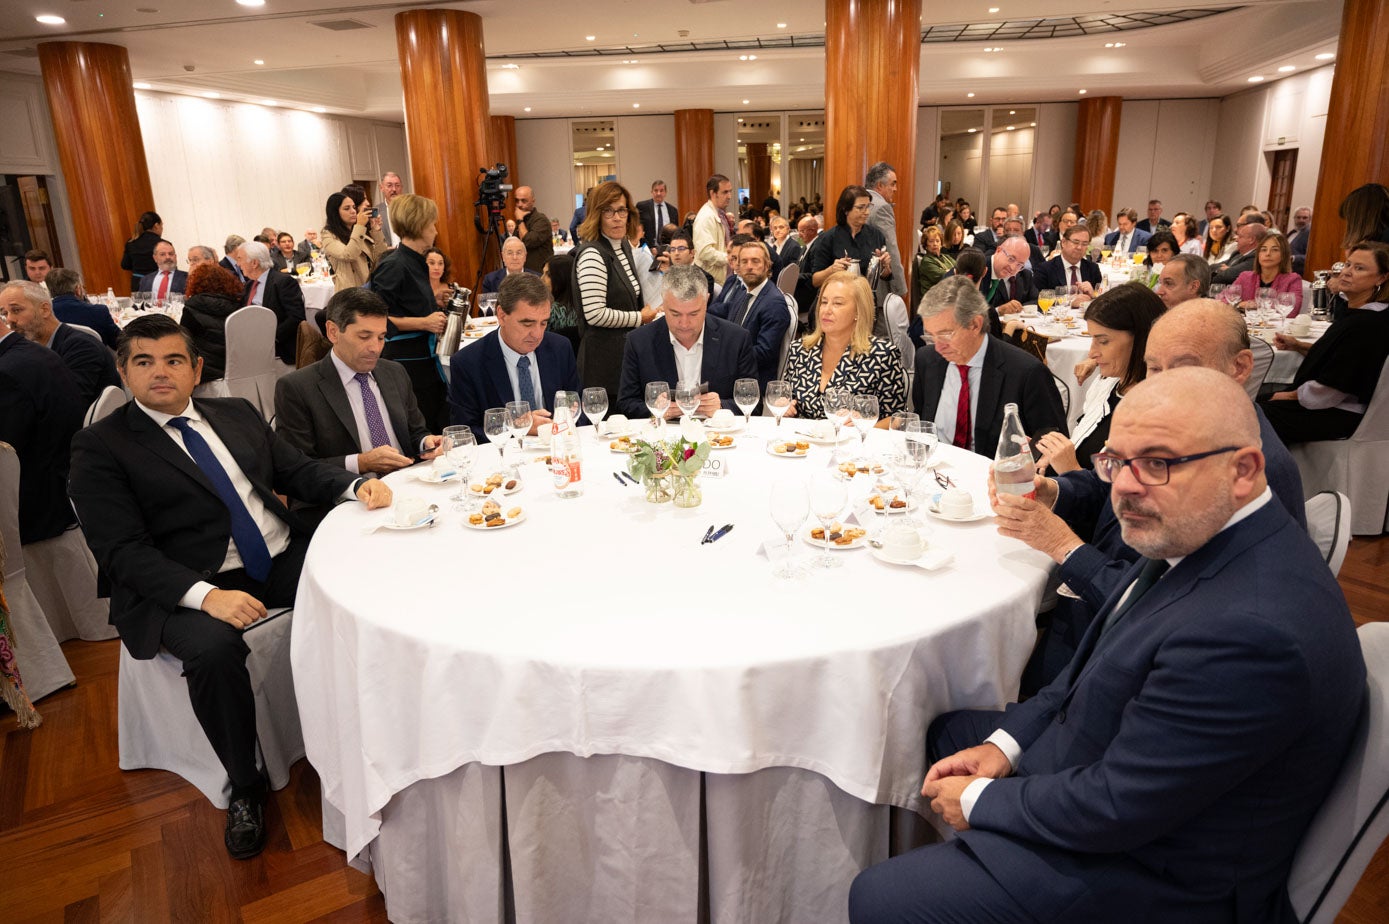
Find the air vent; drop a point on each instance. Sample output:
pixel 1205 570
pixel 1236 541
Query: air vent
pixel 341 25
pixel 23 52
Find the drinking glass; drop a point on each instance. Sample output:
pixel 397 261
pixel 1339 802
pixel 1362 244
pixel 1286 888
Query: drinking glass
pixel 657 401
pixel 1216 290
pixel 1231 296
pixel 1063 296
pixel 898 422
pixel 1263 300
pixel 838 409
pixel 778 399
pixel 494 426
pixel 746 394
pixel 596 408
pixel 687 398
pixel 1045 299
pixel 828 495
pixel 790 504
pixel 865 410
pixel 923 432
pixel 569 399
pixel 459 446
pixel 1285 301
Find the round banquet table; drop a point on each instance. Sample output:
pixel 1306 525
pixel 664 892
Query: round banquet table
pixel 590 715
pixel 1064 351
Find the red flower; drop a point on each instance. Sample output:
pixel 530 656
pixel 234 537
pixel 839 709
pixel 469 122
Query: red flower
pixel 689 451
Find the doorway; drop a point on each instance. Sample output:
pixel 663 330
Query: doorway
pixel 1280 191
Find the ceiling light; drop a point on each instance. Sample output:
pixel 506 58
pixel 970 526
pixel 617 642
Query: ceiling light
pixel 1120 44
pixel 1083 92
pixel 211 95
pixel 781 25
pixel 528 109
pixel 258 61
pixel 740 120
pixel 1012 112
pixel 636 105
pixel 1033 124
pixel 1326 56
pixel 752 57
pixel 1012 127
pixel 973 130
pixel 1256 79
pixel 141 86
pixel 746 102
pixel 251 2
pixel 268 102
pixel 993 9
pixel 319 109
pixel 590 38
pixel 49 20
pixel 1287 69
pixel 1109 44
pixel 742 57
pixel 511 67
pixel 970 95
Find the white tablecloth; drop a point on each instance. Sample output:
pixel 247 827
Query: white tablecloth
pixel 601 626
pixel 1287 362
pixel 316 293
pixel 1063 353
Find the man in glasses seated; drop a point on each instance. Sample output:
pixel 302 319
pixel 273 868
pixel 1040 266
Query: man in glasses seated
pixel 1007 284
pixel 680 252
pixel 1176 764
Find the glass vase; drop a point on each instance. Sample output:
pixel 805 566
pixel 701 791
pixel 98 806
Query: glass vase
pixel 687 491
pixel 659 489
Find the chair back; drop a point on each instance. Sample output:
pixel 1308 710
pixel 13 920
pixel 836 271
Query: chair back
pixel 1263 361
pixel 789 337
pixel 786 279
pixel 85 329
pixel 251 370
pixel 1354 819
pixel 895 310
pixel 1374 426
pixel 109 400
pixel 1064 390
pixel 1328 523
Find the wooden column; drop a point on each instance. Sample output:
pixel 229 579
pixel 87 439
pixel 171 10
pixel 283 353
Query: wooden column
pixel 447 123
pixel 501 144
pixel 1096 153
pixel 101 150
pixel 1355 117
pixel 694 158
pixel 759 172
pixel 872 58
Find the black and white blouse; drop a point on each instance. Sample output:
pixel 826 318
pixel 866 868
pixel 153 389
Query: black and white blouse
pixel 877 372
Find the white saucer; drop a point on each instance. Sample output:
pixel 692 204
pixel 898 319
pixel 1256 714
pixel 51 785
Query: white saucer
pixel 434 518
pixel 797 454
pixel 930 560
pixel 430 476
pixel 935 511
pixel 510 522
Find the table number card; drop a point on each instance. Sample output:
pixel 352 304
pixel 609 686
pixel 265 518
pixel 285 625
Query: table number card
pixel 715 467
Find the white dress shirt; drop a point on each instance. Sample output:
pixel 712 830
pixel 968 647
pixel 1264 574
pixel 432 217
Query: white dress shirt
pixel 359 414
pixel 689 364
pixel 511 356
pixel 257 290
pixel 1122 244
pixel 950 397
pixel 159 281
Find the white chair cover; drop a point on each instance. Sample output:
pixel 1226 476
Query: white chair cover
pixel 787 278
pixel 62 575
pixel 789 338
pixel 157 727
pixel 41 662
pixel 1354 819
pixel 898 320
pixel 1328 523
pixel 1263 361
pixel 86 330
pixel 109 400
pixel 252 369
pixel 1357 467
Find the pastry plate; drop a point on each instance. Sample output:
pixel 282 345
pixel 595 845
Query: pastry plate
pixel 793 454
pixel 860 542
pixel 473 487
pixel 510 522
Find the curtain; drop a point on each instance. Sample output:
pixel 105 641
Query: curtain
pixel 587 176
pixel 804 178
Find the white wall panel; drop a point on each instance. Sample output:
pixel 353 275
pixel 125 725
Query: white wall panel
pixel 545 162
pixel 725 157
pixel 645 153
pixel 1054 154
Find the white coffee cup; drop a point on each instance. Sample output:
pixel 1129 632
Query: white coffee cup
pixel 409 510
pixel 723 418
pixel 1300 326
pixel 957 503
pixel 903 543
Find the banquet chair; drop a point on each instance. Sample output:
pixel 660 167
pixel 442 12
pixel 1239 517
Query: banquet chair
pixel 1064 390
pixel 787 278
pixel 252 369
pixel 86 330
pixel 157 728
pixel 41 661
pixel 1357 467
pixel 788 338
pixel 1328 523
pixel 111 398
pixel 898 321
pixel 1354 820
pixel 1263 361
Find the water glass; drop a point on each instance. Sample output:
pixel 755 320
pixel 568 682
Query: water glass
pixel 494 426
pixel 687 398
pixel 459 447
pixel 778 399
pixel 569 399
pixel 789 505
pixel 657 401
pixel 865 411
pixel 746 394
pixel 596 408
pixel 828 495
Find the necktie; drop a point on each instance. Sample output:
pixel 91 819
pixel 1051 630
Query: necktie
pixel 251 293
pixel 1073 277
pixel 163 287
pixel 962 409
pixel 523 381
pixel 1012 288
pixel 255 554
pixel 376 424
pixel 1148 575
pixel 660 217
pixel 1124 243
pixel 744 305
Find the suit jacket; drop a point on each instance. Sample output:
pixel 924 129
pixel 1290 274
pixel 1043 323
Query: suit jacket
pixel 648 357
pixel 313 415
pixel 1053 274
pixel 88 359
pixel 478 378
pixel 383 210
pixel 72 310
pixel 153 520
pixel 1047 242
pixel 1138 239
pixel 881 216
pixel 1010 375
pixel 40 410
pixel 789 253
pixel 985 241
pixel 996 295
pixel 765 321
pixel 1297 243
pixel 646 208
pixel 1239 263
pixel 1248 634
pixel 1146 225
pixel 228 264
pixel 540 246
pixel 177 283
pixel 284 297
pixel 492 282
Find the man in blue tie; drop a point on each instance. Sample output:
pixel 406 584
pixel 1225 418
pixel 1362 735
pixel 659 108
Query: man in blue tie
pixel 178 500
pixel 758 307
pixel 1175 764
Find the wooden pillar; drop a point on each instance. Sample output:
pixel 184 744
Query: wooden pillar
pixel 759 172
pixel 101 150
pixel 1096 153
pixel 447 123
pixel 1356 116
pixel 501 144
pixel 872 58
pixel 694 158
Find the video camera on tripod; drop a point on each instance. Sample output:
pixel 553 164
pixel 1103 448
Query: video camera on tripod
pixel 491 191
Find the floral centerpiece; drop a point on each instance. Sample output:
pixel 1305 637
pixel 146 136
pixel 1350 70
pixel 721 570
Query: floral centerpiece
pixel 669 469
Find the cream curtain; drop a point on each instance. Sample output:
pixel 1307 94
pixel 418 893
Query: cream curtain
pixel 587 176
pixel 804 178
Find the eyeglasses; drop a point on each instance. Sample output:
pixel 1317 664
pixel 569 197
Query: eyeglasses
pixel 681 248
pixel 1152 471
pixel 863 207
pixel 1010 258
pixel 942 337
pixel 615 213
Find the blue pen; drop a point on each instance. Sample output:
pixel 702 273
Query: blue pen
pixel 721 533
pixel 707 533
pixel 619 480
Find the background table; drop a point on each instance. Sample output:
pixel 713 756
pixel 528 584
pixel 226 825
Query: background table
pixel 1063 353
pixel 540 715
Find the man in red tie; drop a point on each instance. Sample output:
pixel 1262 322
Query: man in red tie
pixel 963 384
pixel 169 279
pixel 1071 267
pixel 279 292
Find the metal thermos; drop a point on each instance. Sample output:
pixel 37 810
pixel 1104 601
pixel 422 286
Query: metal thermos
pixel 458 310
pixel 1321 295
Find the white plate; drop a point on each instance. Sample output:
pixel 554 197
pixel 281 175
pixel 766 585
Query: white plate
pixel 405 529
pixel 622 452
pixel 715 447
pixel 510 522
pixel 429 476
pixel 797 454
pixel 930 560
pixel 888 511
pixel 714 428
pixel 502 490
pixel 935 511
pixel 859 543
pixel 813 440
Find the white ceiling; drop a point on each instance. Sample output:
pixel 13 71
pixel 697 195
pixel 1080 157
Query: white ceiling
pixel 199 46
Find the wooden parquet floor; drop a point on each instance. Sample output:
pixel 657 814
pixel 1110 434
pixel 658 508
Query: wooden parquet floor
pixel 81 840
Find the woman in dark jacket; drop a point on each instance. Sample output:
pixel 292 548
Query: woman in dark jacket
pixel 211 296
pixel 138 258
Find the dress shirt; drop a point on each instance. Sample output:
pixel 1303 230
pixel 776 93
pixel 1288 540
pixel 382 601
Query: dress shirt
pixel 257 290
pixel 662 213
pixel 1122 244
pixel 689 364
pixel 511 356
pixel 746 311
pixel 159 278
pixel 950 396
pixel 1008 745
pixel 359 414
pixel 1068 269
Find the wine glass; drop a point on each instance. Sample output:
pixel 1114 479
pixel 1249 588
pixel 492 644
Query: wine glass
pixel 657 401
pixel 1285 302
pixel 923 432
pixel 898 422
pixel 1216 290
pixel 836 401
pixel 459 447
pixel 569 399
pixel 1045 299
pixel 865 411
pixel 596 408
pixel 778 399
pixel 494 426
pixel 687 398
pixel 1231 296
pixel 828 495
pixel 746 394
pixel 789 504
pixel 1263 301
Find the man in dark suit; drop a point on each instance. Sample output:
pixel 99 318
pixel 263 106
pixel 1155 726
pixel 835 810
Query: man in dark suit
pixel 1007 283
pixel 178 502
pixel 986 240
pixel 228 262
pixel 513 264
pixel 279 292
pixel 519 361
pixel 353 409
pixel 40 410
pixel 1013 227
pixel 1041 235
pixel 1298 235
pixel 1128 239
pixel 657 212
pixel 1072 267
pixel 758 307
pixel 786 252
pixel 1247 236
pixel 86 357
pixel 685 345
pixel 534 230
pixel 391 186
pixel 168 279
pixel 70 305
pixel 966 380
pixel 1154 222
pixel 1175 765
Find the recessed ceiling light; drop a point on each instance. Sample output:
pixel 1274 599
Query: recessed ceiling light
pixel 1033 124
pixel 993 9
pixel 781 25
pixel 973 130
pixel 1287 69
pixel 1109 44
pixel 251 2
pixel 1012 127
pixel 49 20
pixel 319 109
pixel 511 67
pixel 268 102
pixel 590 38
pixel 211 95
pixel 1083 92
pixel 990 48
pixel 740 120
pixel 970 95
pixel 528 109
pixel 742 57
pixel 141 86
pixel 1120 44
pixel 1256 79
pixel 752 57
pixel 1326 56
pixel 636 105
pixel 258 61
pixel 1012 112
pixel 745 102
